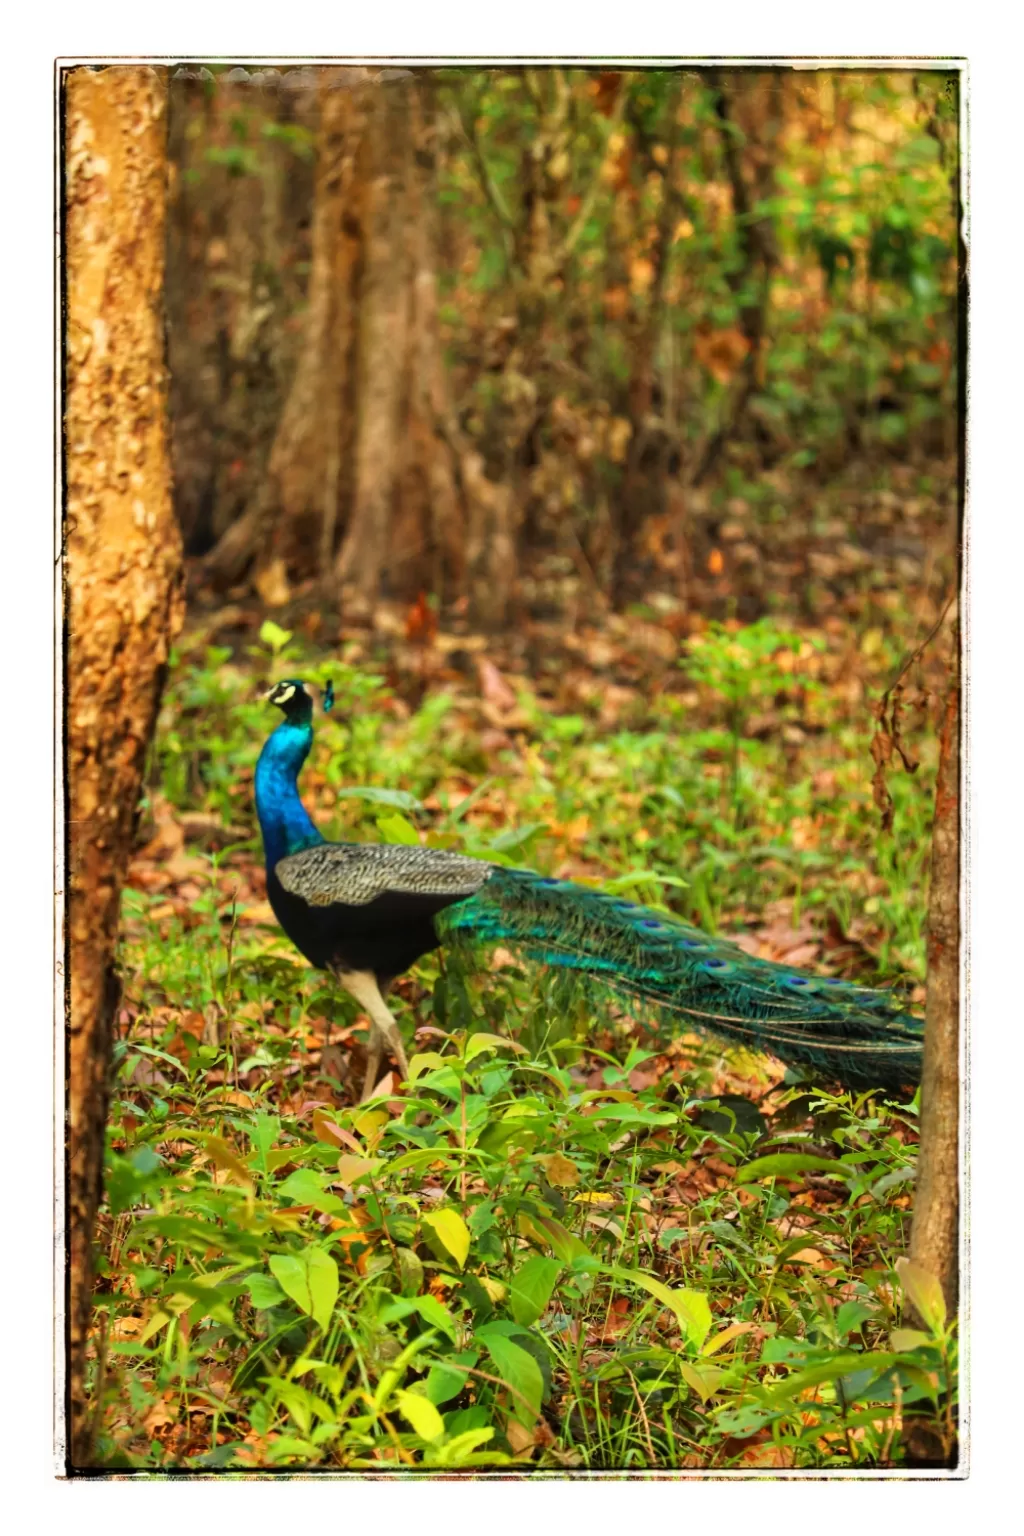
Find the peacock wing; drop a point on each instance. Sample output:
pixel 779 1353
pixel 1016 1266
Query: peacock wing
pixel 354 874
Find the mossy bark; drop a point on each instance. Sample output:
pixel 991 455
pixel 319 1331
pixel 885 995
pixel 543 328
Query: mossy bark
pixel 122 588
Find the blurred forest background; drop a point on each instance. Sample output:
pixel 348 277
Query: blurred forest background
pixel 597 435
pixel 536 340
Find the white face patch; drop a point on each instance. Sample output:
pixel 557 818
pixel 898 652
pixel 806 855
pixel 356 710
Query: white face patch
pixel 282 693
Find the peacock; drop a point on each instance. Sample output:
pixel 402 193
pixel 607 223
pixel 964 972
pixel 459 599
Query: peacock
pixel 367 912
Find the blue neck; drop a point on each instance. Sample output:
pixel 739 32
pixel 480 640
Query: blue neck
pixel 284 823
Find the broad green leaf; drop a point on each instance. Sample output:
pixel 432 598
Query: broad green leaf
pixel 263 1131
pixel 273 635
pixel 451 1231
pixel 704 1379
pixel 520 1371
pixel 531 1288
pixel 478 1043
pixel 293 1278
pixel 395 829
pixel 444 1381
pixel 311 1281
pixel 906 1340
pixel 410 1271
pixel 786 1164
pixel 924 1293
pixel 828 1370
pixel 323 1285
pixel 264 1292
pixel 306 1187
pixel 433 1312
pixel 425 1061
pixel 458 1450
pixel 551 1233
pixel 690 1307
pixel 421 1414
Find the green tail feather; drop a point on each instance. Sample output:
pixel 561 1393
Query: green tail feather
pixel 845 1032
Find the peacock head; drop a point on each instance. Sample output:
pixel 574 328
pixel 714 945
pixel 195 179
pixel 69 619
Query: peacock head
pixel 295 701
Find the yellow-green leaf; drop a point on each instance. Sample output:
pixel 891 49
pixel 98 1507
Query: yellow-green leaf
pixel 425 1061
pixel 394 828
pixel 924 1293
pixel 221 1154
pixel 159 1320
pixel 352 1168
pixel 476 1044
pixel 703 1379
pixel 903 1340
pixel 690 1307
pixel 451 1232
pixel 726 1336
pixel 421 1414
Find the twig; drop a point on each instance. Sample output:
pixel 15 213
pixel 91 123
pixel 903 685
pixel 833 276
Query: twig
pixel 643 1414
pixel 915 655
pixel 887 737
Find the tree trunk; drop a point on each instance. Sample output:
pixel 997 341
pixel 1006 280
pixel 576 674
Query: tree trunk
pixel 122 585
pixel 934 1239
pixel 363 456
pixel 385 296
pixel 753 107
pixel 641 489
pixel 235 242
pixel 310 462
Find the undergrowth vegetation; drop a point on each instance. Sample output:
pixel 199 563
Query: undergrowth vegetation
pixel 568 1242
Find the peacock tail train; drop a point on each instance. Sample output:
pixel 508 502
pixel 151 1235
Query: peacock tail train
pixel 843 1031
pixel 368 911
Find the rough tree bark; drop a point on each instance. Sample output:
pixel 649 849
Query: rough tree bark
pixel 235 243
pixel 122 584
pixel 385 296
pixel 934 1239
pixel 362 481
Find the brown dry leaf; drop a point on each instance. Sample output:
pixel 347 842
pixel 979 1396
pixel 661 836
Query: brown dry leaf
pixel 562 1173
pixel 127 1327
pixel 493 686
pixel 259 913
pixel 519 1437
pixel 158 1417
pixel 812 1256
pixel 721 352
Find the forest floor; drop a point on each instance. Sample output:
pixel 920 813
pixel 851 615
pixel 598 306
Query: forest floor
pixel 552 1248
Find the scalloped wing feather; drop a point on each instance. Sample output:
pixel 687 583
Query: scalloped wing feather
pixel 354 874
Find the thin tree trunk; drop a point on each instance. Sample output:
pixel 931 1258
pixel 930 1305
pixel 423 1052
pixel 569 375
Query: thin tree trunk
pixel 309 464
pixel 122 586
pixel 636 497
pixel 758 246
pixel 384 313
pixel 934 1239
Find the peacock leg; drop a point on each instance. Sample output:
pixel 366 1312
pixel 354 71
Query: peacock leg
pixel 374 1051
pixel 384 1032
